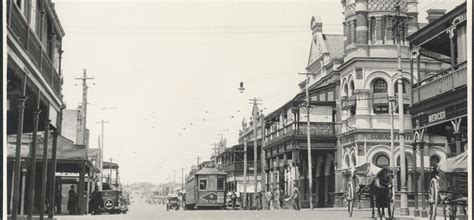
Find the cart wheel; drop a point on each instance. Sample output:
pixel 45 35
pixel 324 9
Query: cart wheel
pixel 350 198
pixel 433 198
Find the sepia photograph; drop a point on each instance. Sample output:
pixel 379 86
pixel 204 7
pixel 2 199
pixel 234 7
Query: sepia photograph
pixel 236 109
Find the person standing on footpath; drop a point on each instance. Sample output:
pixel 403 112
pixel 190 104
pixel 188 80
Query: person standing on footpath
pixel 277 197
pixel 72 201
pixel 233 198
pixel 296 197
pixel 269 197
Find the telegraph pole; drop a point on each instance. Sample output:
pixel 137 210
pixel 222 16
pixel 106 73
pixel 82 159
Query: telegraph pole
pixel 101 152
pixel 255 103
pixel 399 23
pixel 308 133
pixel 391 102
pixel 84 79
pixel 245 175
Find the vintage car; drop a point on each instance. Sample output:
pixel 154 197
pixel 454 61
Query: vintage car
pixel 113 202
pixel 172 203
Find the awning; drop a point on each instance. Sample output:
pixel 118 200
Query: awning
pixel 457 163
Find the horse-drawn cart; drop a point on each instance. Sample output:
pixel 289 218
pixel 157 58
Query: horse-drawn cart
pixel 449 187
pixel 372 182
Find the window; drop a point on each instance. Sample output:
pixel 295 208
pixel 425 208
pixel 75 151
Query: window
pixel 352 86
pixel 331 96
pixel 346 90
pixel 382 161
pixel 380 86
pixel 220 183
pixel 380 109
pixel 354 162
pixel 352 110
pixel 322 97
pixel 372 29
pixel 348 164
pixel 203 184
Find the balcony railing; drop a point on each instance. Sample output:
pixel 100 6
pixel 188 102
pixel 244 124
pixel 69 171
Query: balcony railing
pixel 318 129
pixel 441 83
pixel 33 47
pixel 239 166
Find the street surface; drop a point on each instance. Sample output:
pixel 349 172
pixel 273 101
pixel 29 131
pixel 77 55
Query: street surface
pixel 142 210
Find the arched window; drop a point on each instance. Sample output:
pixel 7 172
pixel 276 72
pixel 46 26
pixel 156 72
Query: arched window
pixel 346 89
pixel 348 164
pixel 380 86
pixel 434 160
pixel 352 86
pixel 354 162
pixel 395 86
pixel 382 161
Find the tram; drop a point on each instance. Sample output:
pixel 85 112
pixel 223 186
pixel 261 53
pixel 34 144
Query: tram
pixel 206 188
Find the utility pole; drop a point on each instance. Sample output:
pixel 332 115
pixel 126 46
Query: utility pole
pixel 399 22
pixel 110 169
pixel 197 162
pixel 308 133
pixel 182 187
pixel 84 79
pixel 262 156
pixel 245 175
pixel 255 103
pixel 101 152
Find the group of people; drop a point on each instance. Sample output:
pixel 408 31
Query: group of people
pixel 273 198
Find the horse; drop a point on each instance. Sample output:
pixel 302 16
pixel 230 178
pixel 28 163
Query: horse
pixel 380 190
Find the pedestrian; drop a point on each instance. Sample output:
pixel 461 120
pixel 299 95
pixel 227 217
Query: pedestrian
pixel 72 201
pixel 233 198
pixel 277 197
pixel 296 197
pixel 94 201
pixel 260 201
pixel 58 201
pixel 269 197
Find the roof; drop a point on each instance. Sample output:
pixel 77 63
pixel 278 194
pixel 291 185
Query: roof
pixel 334 44
pixel 208 170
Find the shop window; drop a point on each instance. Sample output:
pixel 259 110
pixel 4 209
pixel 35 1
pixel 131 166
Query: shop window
pixel 380 86
pixel 382 161
pixel 220 183
pixel 381 109
pixel 203 184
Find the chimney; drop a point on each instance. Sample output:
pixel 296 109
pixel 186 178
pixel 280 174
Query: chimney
pixel 434 14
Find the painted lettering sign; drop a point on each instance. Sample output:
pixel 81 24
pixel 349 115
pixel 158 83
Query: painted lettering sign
pixel 436 116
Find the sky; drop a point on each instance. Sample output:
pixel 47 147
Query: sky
pixel 161 68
